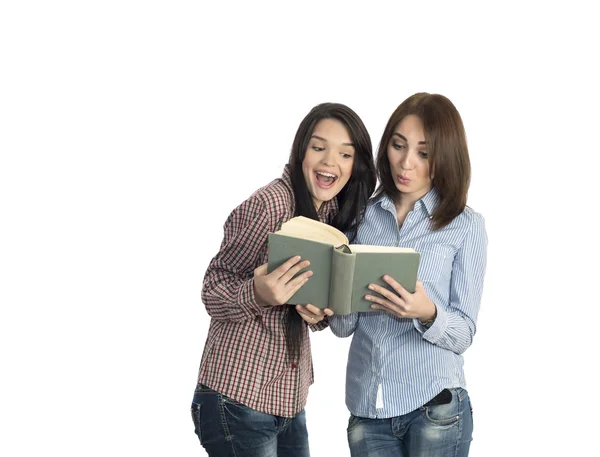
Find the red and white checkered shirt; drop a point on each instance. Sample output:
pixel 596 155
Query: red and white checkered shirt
pixel 245 355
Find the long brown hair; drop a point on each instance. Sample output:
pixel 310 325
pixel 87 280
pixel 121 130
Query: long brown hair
pixel 447 148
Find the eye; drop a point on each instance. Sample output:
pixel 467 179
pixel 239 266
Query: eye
pixel 397 146
pixel 345 155
pixel 423 154
pixel 318 148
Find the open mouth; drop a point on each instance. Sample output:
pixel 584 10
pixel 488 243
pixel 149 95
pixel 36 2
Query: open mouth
pixel 325 179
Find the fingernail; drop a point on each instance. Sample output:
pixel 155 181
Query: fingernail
pixel 371 287
pixel 368 297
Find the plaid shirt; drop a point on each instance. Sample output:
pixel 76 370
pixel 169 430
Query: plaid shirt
pixel 245 355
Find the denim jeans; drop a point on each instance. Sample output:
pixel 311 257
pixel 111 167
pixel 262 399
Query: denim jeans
pixel 430 431
pixel 227 428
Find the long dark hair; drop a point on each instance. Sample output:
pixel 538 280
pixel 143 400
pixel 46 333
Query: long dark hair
pixel 352 199
pixel 447 148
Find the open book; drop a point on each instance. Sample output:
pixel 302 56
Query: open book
pixel 341 271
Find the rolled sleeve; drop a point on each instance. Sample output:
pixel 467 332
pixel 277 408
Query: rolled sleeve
pixel 455 326
pixel 343 325
pixel 322 325
pixel 228 287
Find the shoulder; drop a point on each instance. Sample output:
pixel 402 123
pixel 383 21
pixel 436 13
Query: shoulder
pixel 471 224
pixel 274 203
pixel 274 193
pixel 472 218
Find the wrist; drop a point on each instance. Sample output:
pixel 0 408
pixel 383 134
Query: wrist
pixel 257 296
pixel 430 317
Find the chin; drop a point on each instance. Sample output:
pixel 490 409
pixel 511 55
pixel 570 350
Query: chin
pixel 325 196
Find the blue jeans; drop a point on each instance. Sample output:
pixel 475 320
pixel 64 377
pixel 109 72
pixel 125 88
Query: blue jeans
pixel 430 431
pixel 227 428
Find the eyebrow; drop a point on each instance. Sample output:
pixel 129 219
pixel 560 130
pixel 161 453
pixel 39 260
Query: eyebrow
pixel 404 138
pixel 323 139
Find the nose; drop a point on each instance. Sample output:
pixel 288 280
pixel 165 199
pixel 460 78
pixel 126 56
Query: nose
pixel 406 162
pixel 329 157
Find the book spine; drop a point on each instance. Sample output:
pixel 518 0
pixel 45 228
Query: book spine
pixel 342 273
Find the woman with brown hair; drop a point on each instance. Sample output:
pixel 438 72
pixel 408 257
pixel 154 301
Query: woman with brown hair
pixel 405 385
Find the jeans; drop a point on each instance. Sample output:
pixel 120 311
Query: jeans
pixel 227 428
pixel 430 431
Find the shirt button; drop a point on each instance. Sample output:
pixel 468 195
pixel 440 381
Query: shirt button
pixel 293 366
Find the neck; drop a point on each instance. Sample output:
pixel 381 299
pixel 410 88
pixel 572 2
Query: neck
pixel 404 204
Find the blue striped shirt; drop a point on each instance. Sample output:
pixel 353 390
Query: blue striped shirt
pixel 397 365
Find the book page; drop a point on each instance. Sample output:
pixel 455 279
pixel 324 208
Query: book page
pixel 309 229
pixel 371 248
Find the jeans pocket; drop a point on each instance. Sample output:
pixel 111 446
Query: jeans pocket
pixel 195 410
pixel 231 401
pixel 443 414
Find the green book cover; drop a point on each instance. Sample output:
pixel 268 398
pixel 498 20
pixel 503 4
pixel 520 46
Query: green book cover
pixel 371 266
pixel 316 290
pixel 341 273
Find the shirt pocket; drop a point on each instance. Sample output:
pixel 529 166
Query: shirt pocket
pixel 432 263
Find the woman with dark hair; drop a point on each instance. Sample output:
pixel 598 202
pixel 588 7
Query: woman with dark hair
pixel 256 368
pixel 405 386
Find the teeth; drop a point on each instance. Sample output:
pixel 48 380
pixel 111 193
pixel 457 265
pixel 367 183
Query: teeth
pixel 328 175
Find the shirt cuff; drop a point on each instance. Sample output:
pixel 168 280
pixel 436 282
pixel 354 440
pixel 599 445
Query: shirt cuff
pixel 437 329
pixel 320 325
pixel 247 299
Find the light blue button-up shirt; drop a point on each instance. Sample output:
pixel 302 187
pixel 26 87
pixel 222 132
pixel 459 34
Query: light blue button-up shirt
pixel 397 365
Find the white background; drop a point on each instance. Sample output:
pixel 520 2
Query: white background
pixel 129 130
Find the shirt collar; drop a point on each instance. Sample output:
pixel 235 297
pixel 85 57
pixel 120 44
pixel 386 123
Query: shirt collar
pixel 429 202
pixel 385 202
pixel 328 210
